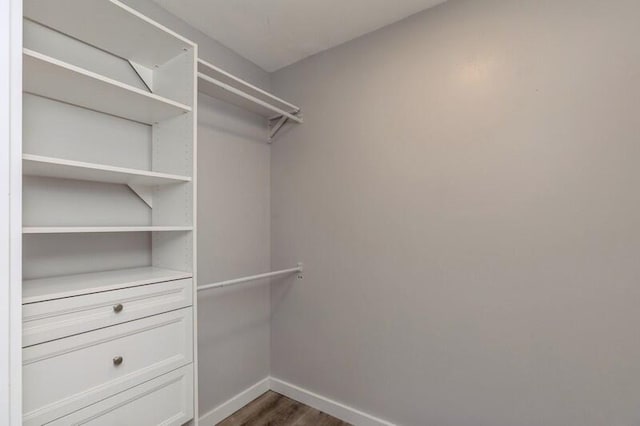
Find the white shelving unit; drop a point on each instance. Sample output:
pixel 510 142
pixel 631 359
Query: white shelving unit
pixel 215 82
pixel 110 103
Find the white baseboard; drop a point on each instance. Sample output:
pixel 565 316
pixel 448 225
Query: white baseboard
pixel 226 409
pixel 319 402
pixel 334 408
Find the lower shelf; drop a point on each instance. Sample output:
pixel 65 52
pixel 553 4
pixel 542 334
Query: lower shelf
pixel 42 289
pixel 100 229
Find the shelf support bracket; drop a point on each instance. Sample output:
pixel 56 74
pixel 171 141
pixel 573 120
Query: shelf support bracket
pixel 144 74
pixel 276 123
pixel 144 192
pixel 276 127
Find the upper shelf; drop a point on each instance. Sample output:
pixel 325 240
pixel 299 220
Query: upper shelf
pixel 112 26
pixel 37 165
pixel 220 84
pixel 54 79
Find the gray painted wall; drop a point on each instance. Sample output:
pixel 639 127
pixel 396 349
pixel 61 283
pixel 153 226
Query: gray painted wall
pixel 233 241
pixel 233 228
pixel 463 194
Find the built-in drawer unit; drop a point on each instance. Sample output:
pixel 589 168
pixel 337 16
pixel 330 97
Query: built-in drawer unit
pixel 166 400
pixel 54 319
pixel 65 375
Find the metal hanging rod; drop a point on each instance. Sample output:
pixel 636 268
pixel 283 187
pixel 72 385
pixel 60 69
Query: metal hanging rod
pixel 264 104
pixel 250 278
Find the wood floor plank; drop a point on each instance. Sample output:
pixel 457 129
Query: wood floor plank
pixel 286 413
pixel 318 418
pixel 263 403
pixel 273 409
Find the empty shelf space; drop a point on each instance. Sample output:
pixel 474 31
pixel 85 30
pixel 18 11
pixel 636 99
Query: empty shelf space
pixel 101 229
pixel 111 26
pixel 54 79
pixel 219 84
pixel 41 289
pixel 36 165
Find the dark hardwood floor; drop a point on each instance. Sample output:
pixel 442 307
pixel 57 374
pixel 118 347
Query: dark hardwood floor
pixel 273 409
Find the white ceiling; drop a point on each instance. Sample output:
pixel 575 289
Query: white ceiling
pixel 276 33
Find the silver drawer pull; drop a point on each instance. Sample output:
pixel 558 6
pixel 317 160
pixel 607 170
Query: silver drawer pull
pixel 118 308
pixel 117 360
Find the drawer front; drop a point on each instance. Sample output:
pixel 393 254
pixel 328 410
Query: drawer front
pixel 166 400
pixel 54 319
pixel 68 374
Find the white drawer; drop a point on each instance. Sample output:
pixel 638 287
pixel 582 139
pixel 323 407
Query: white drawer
pixel 166 400
pixel 53 319
pixel 65 375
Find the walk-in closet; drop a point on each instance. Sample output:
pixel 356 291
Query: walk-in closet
pixel 319 213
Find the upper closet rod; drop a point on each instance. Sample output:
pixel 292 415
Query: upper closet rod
pixel 215 82
pixel 250 278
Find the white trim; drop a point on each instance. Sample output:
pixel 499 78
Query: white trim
pixel 326 405
pixel 319 402
pixel 16 213
pixel 5 210
pixel 10 212
pixel 194 242
pixel 226 409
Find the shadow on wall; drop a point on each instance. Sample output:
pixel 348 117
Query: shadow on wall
pixel 230 120
pixel 225 302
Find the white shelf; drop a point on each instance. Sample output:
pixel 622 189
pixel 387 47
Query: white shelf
pixel 220 84
pixel 54 79
pixel 112 26
pixel 36 165
pixel 101 229
pixel 42 289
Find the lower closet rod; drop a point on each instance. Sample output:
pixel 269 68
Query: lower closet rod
pixel 250 278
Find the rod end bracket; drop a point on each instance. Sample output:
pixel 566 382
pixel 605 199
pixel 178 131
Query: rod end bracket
pixel 300 270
